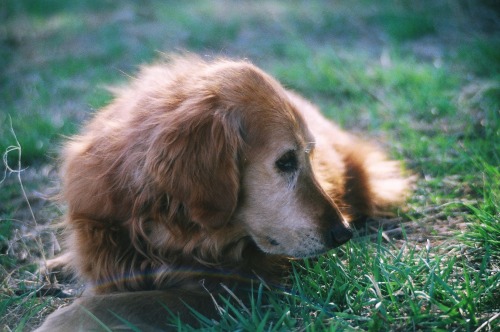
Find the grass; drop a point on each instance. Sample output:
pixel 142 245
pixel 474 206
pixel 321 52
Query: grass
pixel 422 77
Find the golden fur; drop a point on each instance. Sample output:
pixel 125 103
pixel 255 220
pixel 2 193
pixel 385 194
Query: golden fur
pixel 208 170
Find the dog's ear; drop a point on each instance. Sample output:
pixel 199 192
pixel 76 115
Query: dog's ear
pixel 194 159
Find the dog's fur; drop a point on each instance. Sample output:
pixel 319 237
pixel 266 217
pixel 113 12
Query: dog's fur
pixel 207 171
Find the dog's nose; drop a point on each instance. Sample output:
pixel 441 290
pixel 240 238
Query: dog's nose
pixel 341 234
pixel 338 231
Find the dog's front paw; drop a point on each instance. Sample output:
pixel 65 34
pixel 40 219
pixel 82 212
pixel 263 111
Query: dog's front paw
pixel 57 269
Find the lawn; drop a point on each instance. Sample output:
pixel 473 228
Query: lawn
pixel 420 78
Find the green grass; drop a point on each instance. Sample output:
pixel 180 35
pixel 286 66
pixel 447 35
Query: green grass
pixel 422 77
pixel 484 232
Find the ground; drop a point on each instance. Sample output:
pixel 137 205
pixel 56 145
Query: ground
pixel 420 78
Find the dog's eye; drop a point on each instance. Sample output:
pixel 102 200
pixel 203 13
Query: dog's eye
pixel 288 162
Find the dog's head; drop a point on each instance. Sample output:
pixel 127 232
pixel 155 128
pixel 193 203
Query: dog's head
pixel 236 150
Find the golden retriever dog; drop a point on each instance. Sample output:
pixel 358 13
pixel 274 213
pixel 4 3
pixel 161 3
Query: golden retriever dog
pixel 202 175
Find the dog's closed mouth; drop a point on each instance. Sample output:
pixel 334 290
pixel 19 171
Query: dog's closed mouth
pixel 272 241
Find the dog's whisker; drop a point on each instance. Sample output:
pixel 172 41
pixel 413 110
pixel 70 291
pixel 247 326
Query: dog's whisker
pixel 309 147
